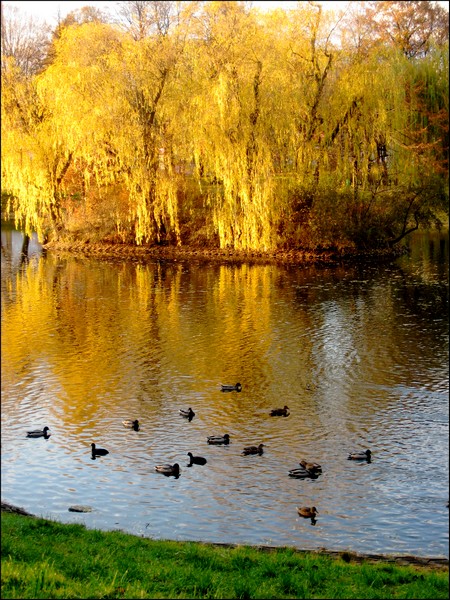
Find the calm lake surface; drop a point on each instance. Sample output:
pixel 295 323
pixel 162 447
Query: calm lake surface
pixel 359 354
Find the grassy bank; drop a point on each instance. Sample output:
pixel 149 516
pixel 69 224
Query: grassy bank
pixel 46 559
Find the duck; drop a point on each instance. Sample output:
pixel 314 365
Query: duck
pixel 367 455
pixel 301 473
pixel 132 424
pixel 280 412
pixel 188 414
pixel 307 512
pixel 168 469
pixel 39 433
pixel 237 387
pixel 312 467
pixel 218 439
pixel 253 450
pixel 98 451
pixel 196 460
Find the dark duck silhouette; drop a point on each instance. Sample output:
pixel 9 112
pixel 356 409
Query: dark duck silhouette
pixel 280 412
pixel 39 433
pixel 196 460
pixel 187 414
pixel 98 451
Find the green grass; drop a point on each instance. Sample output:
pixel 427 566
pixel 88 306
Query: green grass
pixel 46 559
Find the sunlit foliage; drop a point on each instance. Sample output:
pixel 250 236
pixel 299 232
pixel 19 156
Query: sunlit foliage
pixel 217 124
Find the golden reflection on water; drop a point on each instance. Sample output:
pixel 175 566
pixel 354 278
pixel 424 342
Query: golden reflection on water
pixel 358 357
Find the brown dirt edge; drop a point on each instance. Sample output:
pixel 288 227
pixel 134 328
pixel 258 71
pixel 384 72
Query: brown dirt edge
pixel 358 557
pixel 122 252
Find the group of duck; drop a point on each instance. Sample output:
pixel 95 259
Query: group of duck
pixel 37 433
pixel 304 470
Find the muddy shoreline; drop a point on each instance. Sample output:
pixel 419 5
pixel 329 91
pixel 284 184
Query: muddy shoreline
pixel 415 561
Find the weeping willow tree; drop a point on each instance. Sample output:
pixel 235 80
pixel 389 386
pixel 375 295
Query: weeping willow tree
pixel 56 128
pixel 226 124
pixel 34 159
pixel 147 70
pixel 85 111
pixel 123 139
pixel 145 144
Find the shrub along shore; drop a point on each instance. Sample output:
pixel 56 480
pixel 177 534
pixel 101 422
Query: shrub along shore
pixel 46 559
pixel 116 251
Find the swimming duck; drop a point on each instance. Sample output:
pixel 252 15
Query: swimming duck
pixel 301 473
pixel 231 388
pixel 307 512
pixel 98 451
pixel 188 414
pixel 218 439
pixel 130 423
pixel 280 412
pixel 367 455
pixel 253 450
pixel 312 467
pixel 196 460
pixel 39 433
pixel 168 469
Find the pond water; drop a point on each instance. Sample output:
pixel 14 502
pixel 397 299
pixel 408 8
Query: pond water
pixel 359 354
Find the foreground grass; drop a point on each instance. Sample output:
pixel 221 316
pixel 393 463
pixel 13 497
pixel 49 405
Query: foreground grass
pixel 46 559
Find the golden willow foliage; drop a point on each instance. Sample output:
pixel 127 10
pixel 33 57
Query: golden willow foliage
pixel 226 124
pixel 34 160
pixel 229 127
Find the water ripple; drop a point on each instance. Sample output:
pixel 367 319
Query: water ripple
pixel 350 352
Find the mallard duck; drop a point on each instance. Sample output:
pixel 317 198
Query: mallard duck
pixel 39 433
pixel 367 455
pixel 301 473
pixel 312 467
pixel 253 450
pixel 168 469
pixel 307 512
pixel 132 424
pixel 188 414
pixel 231 388
pixel 196 460
pixel 218 439
pixel 280 412
pixel 98 451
